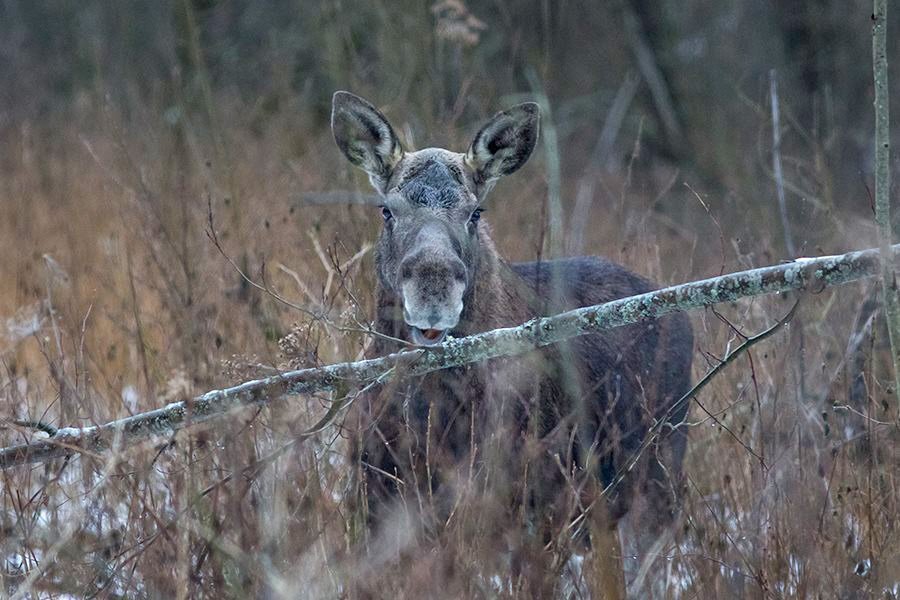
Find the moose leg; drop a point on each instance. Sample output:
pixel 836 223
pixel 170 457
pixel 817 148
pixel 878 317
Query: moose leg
pixel 606 579
pixel 648 532
pixel 658 585
pixel 644 552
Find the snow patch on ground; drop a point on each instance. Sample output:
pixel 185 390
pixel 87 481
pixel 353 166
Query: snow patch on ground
pixel 27 321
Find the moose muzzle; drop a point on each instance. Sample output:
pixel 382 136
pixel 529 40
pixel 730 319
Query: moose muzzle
pixel 433 282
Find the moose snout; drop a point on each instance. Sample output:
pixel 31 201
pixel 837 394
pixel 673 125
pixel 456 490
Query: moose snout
pixel 432 289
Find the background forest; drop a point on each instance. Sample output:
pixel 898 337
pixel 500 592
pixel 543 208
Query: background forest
pixel 129 128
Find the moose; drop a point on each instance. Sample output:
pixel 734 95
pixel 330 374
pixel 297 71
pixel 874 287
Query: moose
pixel 518 462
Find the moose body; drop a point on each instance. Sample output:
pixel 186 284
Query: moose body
pixel 515 450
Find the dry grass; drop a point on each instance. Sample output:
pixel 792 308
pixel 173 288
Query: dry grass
pixel 115 302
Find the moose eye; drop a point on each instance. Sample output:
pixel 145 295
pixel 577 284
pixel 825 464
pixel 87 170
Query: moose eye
pixel 386 213
pixel 476 215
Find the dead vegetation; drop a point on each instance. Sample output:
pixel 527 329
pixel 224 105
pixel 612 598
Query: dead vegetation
pixel 116 301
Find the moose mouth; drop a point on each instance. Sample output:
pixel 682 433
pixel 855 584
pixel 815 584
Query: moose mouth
pixel 428 337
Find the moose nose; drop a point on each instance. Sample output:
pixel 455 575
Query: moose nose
pixel 432 284
pixel 433 272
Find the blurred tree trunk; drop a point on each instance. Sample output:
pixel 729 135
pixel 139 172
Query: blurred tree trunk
pixel 647 31
pixel 883 183
pixel 808 33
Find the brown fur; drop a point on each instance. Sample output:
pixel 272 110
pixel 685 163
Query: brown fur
pixel 510 452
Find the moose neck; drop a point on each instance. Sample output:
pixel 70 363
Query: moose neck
pixel 499 297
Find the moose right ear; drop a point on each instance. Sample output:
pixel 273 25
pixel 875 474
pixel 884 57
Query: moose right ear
pixel 365 137
pixel 505 142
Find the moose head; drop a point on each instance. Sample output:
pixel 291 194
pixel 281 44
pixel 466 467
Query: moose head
pixel 431 202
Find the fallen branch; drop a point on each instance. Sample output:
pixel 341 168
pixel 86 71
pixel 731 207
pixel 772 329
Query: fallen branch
pixel 802 274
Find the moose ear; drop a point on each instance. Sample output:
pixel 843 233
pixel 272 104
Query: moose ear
pixel 505 142
pixel 365 137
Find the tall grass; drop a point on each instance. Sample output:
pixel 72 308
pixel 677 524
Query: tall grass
pixel 115 300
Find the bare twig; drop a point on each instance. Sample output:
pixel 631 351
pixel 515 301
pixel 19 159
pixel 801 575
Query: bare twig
pixel 614 119
pixel 584 196
pixel 550 143
pixel 715 221
pixel 300 285
pixel 73 522
pixel 661 423
pixel 320 316
pixel 653 75
pixel 807 273
pixel 729 358
pixel 776 165
pixel 883 184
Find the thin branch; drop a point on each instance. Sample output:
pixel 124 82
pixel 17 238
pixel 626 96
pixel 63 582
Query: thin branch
pixel 550 142
pixel 584 196
pixel 653 75
pixel 214 238
pixel 654 432
pixel 321 316
pixel 748 342
pixel 883 183
pixel 715 220
pixel 812 274
pixel 776 165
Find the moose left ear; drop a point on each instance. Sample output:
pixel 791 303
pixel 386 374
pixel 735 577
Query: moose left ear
pixel 505 142
pixel 365 137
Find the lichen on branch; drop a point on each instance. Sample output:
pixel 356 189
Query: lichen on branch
pixel 801 274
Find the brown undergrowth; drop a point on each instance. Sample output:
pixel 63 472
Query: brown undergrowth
pixel 116 301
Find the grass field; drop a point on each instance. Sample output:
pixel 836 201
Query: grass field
pixel 116 301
